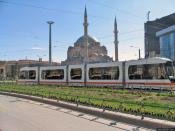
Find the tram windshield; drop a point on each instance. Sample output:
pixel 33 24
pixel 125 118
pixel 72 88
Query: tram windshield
pixel 151 71
pixel 169 69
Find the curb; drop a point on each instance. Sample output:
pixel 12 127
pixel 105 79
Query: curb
pixel 115 116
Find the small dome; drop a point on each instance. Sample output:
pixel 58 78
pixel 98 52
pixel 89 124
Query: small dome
pixel 95 39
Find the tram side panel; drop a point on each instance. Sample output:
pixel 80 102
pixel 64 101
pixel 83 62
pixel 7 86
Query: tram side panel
pixel 123 75
pixel 28 75
pixel 53 75
pixel 104 74
pixel 76 75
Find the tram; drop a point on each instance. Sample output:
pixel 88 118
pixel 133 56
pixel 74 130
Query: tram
pixel 154 73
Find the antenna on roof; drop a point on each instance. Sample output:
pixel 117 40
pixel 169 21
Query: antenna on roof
pixel 148 15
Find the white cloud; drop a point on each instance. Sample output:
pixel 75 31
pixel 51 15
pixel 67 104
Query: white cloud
pixel 38 49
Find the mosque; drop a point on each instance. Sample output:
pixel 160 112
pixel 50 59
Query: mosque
pixel 87 49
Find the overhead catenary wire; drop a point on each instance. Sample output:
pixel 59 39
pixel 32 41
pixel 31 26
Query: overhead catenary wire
pixel 68 11
pixel 119 10
pixel 78 13
pixel 71 43
pixel 122 33
pixel 73 12
pixel 50 9
pixel 56 10
pixel 125 12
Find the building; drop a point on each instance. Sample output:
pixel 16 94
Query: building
pixel 167 42
pixel 10 69
pixel 152 43
pixel 86 49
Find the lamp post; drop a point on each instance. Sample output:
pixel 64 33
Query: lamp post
pixel 138 50
pixel 50 41
pixel 5 66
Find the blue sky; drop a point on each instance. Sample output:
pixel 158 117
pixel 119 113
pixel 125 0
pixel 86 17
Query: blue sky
pixel 24 32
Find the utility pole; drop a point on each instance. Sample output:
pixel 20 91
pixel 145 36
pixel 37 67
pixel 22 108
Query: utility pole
pixel 138 50
pixel 139 54
pixel 147 52
pixel 50 41
pixel 116 39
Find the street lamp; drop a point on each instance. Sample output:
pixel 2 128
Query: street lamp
pixel 139 50
pixel 50 41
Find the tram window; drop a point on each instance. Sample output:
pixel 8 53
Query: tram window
pixel 32 74
pixel 76 74
pixel 104 73
pixel 28 74
pixel 23 75
pixel 169 69
pixel 1 71
pixel 147 71
pixel 57 74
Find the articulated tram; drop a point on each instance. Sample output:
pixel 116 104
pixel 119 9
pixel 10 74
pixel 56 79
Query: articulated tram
pixel 152 73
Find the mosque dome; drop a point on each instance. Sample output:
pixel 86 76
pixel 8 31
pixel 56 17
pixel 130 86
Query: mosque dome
pixel 82 40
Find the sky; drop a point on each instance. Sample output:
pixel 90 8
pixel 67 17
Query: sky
pixel 24 31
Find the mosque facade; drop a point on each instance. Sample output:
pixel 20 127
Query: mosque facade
pixel 86 49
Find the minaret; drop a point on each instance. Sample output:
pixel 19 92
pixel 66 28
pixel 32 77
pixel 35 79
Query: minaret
pixel 85 23
pixel 86 35
pixel 116 39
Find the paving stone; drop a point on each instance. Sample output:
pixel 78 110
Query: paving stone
pixel 37 103
pixel 89 117
pixel 46 105
pixel 129 127
pixel 54 108
pixel 75 113
pixel 64 110
pixel 104 121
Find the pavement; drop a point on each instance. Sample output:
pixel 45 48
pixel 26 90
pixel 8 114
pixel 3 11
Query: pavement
pixel 18 114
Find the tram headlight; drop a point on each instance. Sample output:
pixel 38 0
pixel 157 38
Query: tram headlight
pixel 172 78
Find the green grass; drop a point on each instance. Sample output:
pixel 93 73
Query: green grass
pixel 157 105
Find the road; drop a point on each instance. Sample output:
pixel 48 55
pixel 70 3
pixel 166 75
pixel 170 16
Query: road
pixel 18 114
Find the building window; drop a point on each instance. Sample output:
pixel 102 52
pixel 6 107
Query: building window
pixel 57 74
pixel 28 74
pixel 104 73
pixel 165 46
pixel 173 45
pixel 76 74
